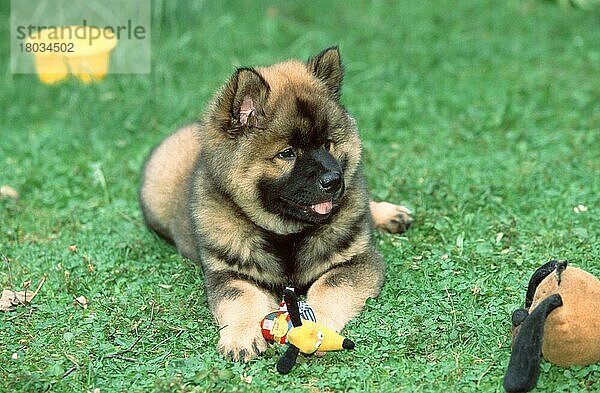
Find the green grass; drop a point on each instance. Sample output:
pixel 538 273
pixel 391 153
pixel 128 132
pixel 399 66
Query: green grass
pixel 482 116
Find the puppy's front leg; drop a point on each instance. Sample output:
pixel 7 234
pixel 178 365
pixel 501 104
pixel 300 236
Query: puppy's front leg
pixel 341 293
pixel 238 306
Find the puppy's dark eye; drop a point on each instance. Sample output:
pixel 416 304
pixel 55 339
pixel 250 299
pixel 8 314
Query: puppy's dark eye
pixel 287 154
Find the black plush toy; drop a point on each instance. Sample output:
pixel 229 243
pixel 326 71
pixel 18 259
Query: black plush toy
pixel 560 321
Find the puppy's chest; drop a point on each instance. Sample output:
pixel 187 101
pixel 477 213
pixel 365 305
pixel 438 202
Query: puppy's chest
pixel 285 249
pixel 296 257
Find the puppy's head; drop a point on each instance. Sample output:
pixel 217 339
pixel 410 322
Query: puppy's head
pixel 284 147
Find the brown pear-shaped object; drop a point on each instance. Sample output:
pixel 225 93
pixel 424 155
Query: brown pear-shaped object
pixel 572 332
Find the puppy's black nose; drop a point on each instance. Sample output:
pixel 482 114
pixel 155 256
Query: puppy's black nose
pixel 331 181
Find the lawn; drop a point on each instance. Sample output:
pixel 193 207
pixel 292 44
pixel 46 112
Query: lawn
pixel 481 116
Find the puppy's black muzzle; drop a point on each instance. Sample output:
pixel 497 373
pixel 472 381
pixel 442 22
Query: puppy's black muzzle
pixel 331 182
pixel 329 176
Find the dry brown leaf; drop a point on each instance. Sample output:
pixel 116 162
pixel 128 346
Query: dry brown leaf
pixel 11 299
pixel 81 300
pixel 246 378
pixel 8 191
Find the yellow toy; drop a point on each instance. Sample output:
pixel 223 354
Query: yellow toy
pixel 301 334
pixel 83 51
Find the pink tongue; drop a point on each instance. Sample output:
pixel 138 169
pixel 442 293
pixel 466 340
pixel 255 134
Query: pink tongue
pixel 322 208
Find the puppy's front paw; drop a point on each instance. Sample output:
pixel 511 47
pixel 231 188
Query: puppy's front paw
pixel 390 218
pixel 241 343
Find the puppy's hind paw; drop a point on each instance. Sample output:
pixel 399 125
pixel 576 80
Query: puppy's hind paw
pixel 390 218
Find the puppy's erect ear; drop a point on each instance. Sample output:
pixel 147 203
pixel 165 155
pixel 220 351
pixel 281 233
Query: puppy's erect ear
pixel 327 66
pixel 242 101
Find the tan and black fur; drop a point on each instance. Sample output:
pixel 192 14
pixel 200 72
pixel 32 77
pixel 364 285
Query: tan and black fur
pixel 266 191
